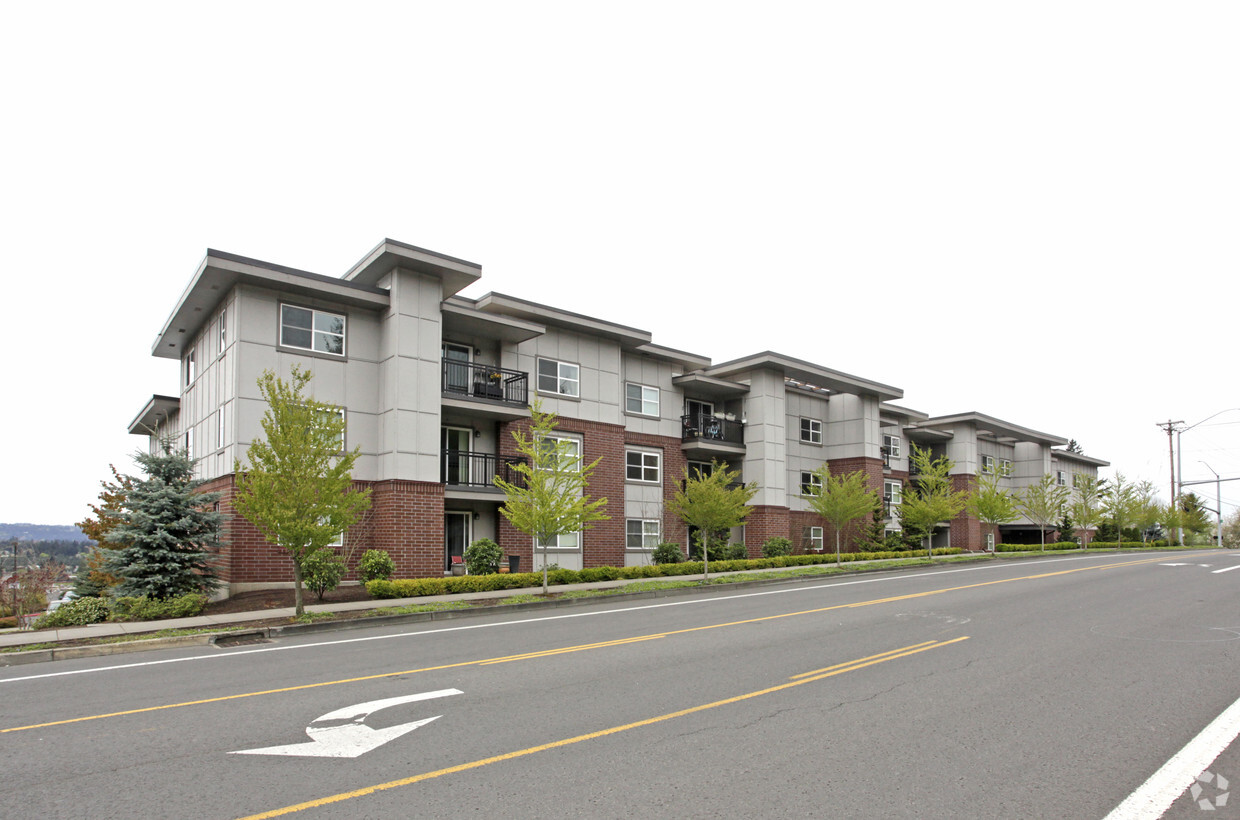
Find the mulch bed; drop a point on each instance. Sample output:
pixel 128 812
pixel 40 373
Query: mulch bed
pixel 278 598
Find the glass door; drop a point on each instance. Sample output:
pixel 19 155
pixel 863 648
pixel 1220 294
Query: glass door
pixel 455 537
pixel 456 368
pixel 455 443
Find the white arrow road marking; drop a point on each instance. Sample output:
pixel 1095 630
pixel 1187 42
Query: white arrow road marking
pixel 354 738
pixel 1225 569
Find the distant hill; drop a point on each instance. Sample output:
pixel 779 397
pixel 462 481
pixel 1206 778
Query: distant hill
pixel 41 532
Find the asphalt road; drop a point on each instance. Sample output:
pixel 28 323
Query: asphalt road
pixel 1049 688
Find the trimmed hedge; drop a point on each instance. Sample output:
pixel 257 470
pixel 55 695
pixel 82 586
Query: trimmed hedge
pixel 453 584
pixel 1072 545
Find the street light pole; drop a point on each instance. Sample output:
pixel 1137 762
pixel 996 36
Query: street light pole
pixel 1218 506
pixel 1176 489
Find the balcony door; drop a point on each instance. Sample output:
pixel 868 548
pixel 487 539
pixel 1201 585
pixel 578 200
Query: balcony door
pixel 455 537
pixel 456 367
pixel 455 443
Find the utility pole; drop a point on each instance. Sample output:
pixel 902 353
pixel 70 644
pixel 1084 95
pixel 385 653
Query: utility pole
pixel 1170 427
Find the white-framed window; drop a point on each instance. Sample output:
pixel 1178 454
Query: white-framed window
pixel 308 329
pixel 810 483
pixel 327 413
pixel 892 443
pixel 640 465
pixel 641 533
pixel 1005 465
pixel 1061 478
pixel 990 542
pixel 811 431
pixel 189 443
pixel 567 541
pixel 559 377
pixel 701 469
pixel 640 398
pixel 223 330
pixel 1076 480
pixel 191 368
pixel 219 428
pixel 813 538
pixel 893 492
pixel 988 464
pixel 571 450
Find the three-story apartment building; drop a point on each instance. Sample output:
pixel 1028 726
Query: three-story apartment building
pixel 432 384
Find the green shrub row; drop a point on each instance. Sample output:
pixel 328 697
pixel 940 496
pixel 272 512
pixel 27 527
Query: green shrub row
pixel 1072 545
pixel 455 584
pixel 91 610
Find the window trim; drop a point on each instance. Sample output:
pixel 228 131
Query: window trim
pixel 893 491
pixel 642 466
pixel 892 443
pixel 988 463
pixel 559 377
pixel 642 399
pixel 811 430
pixel 814 535
pixel 642 533
pixel 808 481
pixel 191 367
pixel 314 314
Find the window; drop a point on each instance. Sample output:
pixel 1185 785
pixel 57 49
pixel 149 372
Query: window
pixel 990 542
pixel 892 443
pixel 893 492
pixel 811 483
pixel 1005 466
pixel 337 412
pixel 641 466
pixel 567 541
pixel 813 538
pixel 570 450
pixel 1076 480
pixel 638 398
pixel 223 330
pixel 191 369
pixel 641 533
pixel 308 329
pixel 811 431
pixel 189 442
pixel 1061 478
pixel 988 464
pixel 219 428
pixel 559 377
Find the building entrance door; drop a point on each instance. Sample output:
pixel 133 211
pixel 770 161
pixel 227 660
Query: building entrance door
pixel 455 537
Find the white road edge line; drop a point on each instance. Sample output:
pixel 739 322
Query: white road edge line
pixel 1225 569
pixel 448 629
pixel 1157 794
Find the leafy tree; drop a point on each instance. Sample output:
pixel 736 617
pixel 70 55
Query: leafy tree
pixel 1085 504
pixel 1041 503
pixel 990 502
pixel 840 499
pixel 25 591
pixel 1194 517
pixel 298 490
pixel 166 533
pixel 92 579
pixel 1120 505
pixel 1231 530
pixel 1147 511
pixel 548 499
pixel 930 498
pixel 713 504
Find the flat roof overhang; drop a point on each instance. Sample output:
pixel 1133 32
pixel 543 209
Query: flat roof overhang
pixel 159 408
pixel 808 373
pixel 895 415
pixel 468 321
pixel 710 387
pixel 630 337
pixel 997 427
pixel 457 274
pixel 1064 455
pixel 221 271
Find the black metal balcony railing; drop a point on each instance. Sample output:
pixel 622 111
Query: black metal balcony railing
pixel 465 468
pixel 712 428
pixel 484 381
pixel 886 451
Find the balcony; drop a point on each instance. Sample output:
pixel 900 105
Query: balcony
pixel 465 469
pixel 710 435
pixel 493 391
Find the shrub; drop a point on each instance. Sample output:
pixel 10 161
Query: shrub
pixel 667 553
pixel 775 547
pixel 482 557
pixel 322 570
pixel 376 564
pixel 733 552
pixel 75 613
pixel 143 608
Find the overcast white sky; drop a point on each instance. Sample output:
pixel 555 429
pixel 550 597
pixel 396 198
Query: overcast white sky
pixel 1028 210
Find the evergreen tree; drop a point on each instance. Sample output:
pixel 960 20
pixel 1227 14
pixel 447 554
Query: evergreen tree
pixel 166 531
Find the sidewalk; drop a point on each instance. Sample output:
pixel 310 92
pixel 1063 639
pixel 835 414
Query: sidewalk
pixel 17 638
